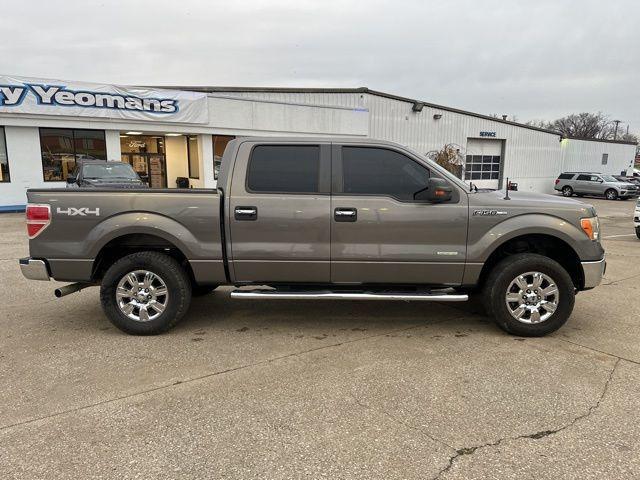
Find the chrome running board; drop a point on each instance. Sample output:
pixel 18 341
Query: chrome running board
pixel 337 295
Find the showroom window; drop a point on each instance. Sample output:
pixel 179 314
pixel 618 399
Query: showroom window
pixel 4 160
pixel 482 167
pixel 219 144
pixel 378 171
pixel 193 157
pixel 61 147
pixel 284 169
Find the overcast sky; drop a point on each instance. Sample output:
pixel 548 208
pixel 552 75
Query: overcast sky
pixel 535 59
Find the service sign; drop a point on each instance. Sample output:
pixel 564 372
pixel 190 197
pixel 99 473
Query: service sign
pixel 57 97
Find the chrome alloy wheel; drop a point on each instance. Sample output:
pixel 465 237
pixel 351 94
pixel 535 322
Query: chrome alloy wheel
pixel 532 297
pixel 142 295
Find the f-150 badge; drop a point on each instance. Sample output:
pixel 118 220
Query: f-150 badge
pixel 489 213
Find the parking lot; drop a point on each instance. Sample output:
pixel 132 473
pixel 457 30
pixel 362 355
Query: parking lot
pixel 305 389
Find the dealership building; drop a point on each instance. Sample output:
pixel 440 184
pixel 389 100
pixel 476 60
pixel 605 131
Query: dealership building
pixel 176 136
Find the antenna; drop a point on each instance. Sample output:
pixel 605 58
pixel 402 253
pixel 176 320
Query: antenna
pixel 506 195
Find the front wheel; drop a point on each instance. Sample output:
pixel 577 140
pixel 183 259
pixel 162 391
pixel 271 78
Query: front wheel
pixel 611 194
pixel 638 232
pixel 529 295
pixel 145 293
pixel 567 191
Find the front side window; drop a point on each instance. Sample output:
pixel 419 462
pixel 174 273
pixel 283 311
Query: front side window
pixel 61 147
pixel 4 160
pixel 586 178
pixel 284 169
pixel 378 171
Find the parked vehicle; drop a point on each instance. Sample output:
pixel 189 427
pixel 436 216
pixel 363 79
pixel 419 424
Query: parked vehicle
pixel 103 174
pixel 592 183
pixel 301 218
pixel 633 180
pixel 636 218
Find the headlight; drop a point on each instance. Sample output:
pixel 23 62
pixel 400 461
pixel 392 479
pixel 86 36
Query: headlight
pixel 591 226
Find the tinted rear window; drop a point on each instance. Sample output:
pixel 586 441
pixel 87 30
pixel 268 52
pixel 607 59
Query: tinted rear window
pixel 284 168
pixel 566 176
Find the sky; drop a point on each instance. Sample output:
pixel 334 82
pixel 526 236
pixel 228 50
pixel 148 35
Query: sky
pixel 535 59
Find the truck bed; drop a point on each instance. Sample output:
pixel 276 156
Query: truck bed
pixel 86 222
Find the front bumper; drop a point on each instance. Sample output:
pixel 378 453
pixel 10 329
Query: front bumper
pixel 593 272
pixel 34 269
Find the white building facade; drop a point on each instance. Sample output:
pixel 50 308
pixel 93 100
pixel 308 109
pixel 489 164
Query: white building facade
pixel 175 136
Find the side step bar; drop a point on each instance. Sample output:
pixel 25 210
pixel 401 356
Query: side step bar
pixel 333 295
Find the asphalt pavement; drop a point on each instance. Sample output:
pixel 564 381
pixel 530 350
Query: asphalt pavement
pixel 315 389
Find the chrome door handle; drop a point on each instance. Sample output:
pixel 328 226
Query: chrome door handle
pixel 345 214
pixel 245 213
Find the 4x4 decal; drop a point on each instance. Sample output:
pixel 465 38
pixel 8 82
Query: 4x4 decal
pixel 82 211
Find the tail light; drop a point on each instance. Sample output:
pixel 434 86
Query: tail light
pixel 557 181
pixel 38 218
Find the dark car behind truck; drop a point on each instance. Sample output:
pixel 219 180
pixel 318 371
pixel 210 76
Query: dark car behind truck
pixel 318 219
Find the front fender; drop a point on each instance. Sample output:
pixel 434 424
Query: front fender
pixel 489 237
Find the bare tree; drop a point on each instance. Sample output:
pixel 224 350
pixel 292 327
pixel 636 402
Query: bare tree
pixel 450 157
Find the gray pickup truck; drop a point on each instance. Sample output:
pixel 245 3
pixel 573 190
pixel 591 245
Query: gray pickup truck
pixel 300 218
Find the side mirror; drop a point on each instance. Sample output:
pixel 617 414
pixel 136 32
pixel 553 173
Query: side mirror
pixel 71 179
pixel 436 191
pixel 600 180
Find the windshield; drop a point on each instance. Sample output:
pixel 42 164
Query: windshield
pixel 108 171
pixel 609 178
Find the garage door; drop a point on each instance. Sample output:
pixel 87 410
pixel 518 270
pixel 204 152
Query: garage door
pixel 483 162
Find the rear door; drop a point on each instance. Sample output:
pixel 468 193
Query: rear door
pixel 279 213
pixel 379 233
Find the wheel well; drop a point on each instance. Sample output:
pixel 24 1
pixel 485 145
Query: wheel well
pixel 125 245
pixel 547 245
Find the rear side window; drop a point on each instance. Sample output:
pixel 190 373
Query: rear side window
pixel 377 171
pixel 565 176
pixel 584 177
pixel 284 168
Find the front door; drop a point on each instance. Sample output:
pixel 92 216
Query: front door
pixel 380 234
pixel 279 213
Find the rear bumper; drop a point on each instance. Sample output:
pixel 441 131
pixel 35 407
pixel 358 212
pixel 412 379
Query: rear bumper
pixel 34 269
pixel 593 272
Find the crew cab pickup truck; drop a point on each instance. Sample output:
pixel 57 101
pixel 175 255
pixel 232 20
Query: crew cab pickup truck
pixel 318 218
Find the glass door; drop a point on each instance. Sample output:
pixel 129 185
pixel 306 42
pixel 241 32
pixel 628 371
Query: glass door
pixel 151 167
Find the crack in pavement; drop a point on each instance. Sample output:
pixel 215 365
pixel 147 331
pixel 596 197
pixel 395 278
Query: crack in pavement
pixel 614 282
pixel 532 436
pixel 397 420
pixel 214 374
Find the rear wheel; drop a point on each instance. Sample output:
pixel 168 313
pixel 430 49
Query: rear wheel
pixel 638 232
pixel 145 293
pixel 567 191
pixel 611 194
pixel 529 295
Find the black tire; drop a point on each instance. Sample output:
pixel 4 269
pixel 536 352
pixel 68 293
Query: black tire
pixel 638 232
pixel 506 271
pixel 567 191
pixel 172 275
pixel 202 290
pixel 611 194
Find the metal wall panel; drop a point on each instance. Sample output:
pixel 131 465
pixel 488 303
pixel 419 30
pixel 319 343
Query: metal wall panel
pixel 587 155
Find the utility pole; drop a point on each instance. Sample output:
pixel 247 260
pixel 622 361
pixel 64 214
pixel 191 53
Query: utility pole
pixel 615 132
